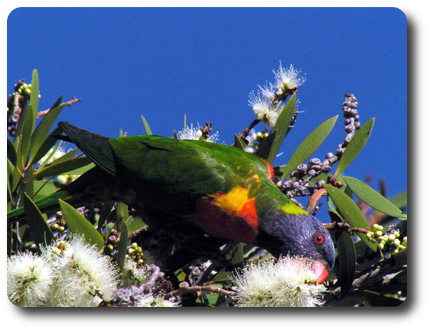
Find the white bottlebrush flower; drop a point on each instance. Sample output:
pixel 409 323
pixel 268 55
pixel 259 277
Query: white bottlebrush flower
pixel 84 277
pixel 29 278
pixel 286 283
pixel 195 133
pixel 149 300
pixel 268 91
pixel 288 78
pixel 263 108
pixel 260 105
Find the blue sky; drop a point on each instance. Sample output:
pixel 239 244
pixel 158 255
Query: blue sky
pixel 163 63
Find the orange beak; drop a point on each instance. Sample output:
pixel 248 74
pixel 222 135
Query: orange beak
pixel 320 270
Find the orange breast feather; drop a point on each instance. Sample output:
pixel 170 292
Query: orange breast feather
pixel 230 215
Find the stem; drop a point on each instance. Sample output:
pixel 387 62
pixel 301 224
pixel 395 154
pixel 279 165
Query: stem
pixel 346 227
pixel 199 289
pixel 65 104
pixel 246 131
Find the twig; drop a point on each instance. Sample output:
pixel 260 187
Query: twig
pixel 246 131
pixel 199 289
pixel 65 104
pixel 346 227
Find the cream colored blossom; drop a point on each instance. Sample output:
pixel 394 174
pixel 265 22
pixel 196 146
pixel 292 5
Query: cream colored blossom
pixel 29 279
pixel 194 133
pixel 286 283
pixel 84 276
pixel 288 78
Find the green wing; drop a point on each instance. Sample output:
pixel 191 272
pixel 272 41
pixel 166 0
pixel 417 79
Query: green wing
pixel 168 174
pixel 172 174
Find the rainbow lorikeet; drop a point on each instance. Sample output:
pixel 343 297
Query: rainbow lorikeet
pixel 225 191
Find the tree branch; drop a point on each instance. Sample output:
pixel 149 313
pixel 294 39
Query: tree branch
pixel 346 227
pixel 66 104
pixel 199 289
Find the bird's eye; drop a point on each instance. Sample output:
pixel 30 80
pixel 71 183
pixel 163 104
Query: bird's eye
pixel 318 239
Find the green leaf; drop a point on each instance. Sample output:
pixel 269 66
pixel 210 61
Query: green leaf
pixel 309 145
pixel 346 258
pixel 47 144
pixel 400 200
pixel 374 199
pixel 222 276
pixel 41 132
pixel 146 125
pixel 134 224
pixel 44 188
pixel 39 229
pixel 80 170
pixel 238 143
pixel 61 167
pixel 23 137
pixel 69 155
pixel 236 254
pixel 34 96
pixel 350 212
pixel 78 224
pixel 105 211
pixel 354 147
pixel 282 127
pixel 10 170
pixel 11 152
pixel 121 211
pixel 265 145
pixel 123 245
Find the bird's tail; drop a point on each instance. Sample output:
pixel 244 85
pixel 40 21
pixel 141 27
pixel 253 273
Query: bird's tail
pixel 95 146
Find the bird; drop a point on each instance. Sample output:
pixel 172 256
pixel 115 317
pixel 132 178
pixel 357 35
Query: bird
pixel 226 192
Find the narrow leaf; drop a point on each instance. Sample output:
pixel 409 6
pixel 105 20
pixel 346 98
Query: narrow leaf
pixel 374 199
pixel 350 212
pixel 146 125
pixel 236 255
pixel 263 150
pixel 309 145
pixel 61 167
pixel 346 258
pixel 42 130
pixel 354 147
pixel 400 200
pixel 47 144
pixel 281 127
pixel 23 138
pixel 39 229
pixel 78 224
pixel 11 152
pixel 238 143
pixel 123 245
pixel 34 96
pixel 44 188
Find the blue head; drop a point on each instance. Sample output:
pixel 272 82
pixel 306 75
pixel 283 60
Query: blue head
pixel 298 235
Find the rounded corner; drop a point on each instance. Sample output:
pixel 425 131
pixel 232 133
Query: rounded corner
pixel 401 13
pixel 13 11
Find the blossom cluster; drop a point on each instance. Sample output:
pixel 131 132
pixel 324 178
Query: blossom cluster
pixel 267 101
pixel 289 282
pixel 66 274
